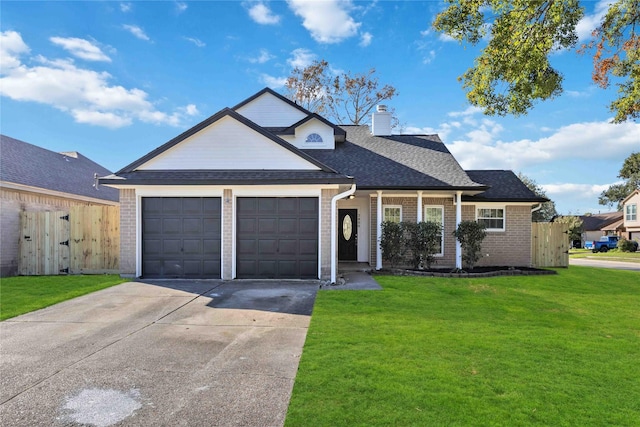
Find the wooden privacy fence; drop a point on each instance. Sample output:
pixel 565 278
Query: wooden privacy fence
pixel 83 240
pixel 549 244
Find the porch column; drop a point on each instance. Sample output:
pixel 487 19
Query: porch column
pixel 419 218
pixel 379 232
pixel 458 221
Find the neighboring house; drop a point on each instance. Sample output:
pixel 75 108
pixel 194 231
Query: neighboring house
pixel 34 179
pixel 598 225
pixel 631 219
pixel 268 189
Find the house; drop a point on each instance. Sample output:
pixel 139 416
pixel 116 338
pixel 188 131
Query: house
pixel 631 219
pixel 267 189
pixel 597 225
pixel 35 179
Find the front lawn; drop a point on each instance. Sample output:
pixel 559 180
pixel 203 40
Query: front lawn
pixel 22 294
pixel 612 255
pixel 559 350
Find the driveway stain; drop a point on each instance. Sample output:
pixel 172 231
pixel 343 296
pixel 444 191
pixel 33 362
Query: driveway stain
pixel 101 407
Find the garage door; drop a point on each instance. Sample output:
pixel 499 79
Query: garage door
pixel 181 237
pixel 277 237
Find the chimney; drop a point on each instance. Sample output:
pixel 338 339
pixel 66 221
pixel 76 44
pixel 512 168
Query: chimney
pixel 381 121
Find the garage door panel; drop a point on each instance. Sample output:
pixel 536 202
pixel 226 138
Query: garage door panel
pixel 181 237
pixel 283 237
pixel 192 226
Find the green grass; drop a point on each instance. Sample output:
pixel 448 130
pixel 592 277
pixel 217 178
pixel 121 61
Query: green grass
pixel 560 350
pixel 612 255
pixel 19 295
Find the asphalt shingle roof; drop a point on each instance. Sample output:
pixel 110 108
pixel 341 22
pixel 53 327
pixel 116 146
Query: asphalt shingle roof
pixel 27 164
pixel 395 161
pixel 599 221
pixel 504 185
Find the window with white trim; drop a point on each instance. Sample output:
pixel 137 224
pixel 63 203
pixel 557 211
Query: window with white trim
pixel 392 213
pixel 492 218
pixel 436 214
pixel 631 212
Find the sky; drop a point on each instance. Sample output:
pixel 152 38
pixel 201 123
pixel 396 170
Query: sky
pixel 115 80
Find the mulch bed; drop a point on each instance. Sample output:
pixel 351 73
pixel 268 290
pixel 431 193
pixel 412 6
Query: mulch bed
pixel 476 272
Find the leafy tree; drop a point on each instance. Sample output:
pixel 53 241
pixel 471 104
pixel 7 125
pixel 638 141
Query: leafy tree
pixel 513 71
pixel 392 242
pixel 344 98
pixel 470 234
pixel 575 225
pixel 422 239
pixel 616 193
pixel 548 209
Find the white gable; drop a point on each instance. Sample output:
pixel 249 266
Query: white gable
pixel 224 145
pixel 308 136
pixel 268 110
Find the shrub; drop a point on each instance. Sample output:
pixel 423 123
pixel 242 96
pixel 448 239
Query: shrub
pixel 423 240
pixel 392 242
pixel 626 245
pixel 470 234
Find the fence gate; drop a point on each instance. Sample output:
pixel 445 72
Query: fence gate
pixel 549 244
pixel 44 243
pixel 84 240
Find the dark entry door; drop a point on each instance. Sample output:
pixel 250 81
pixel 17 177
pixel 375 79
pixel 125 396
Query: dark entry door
pixel 348 234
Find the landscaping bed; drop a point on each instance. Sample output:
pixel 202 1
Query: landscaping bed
pixel 475 272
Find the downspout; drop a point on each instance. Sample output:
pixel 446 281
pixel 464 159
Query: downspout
pixel 458 221
pixel 379 232
pixel 334 231
pixel 536 209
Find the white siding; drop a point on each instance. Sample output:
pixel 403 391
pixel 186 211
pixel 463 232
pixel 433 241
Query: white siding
pixel 270 111
pixel 314 126
pixel 227 144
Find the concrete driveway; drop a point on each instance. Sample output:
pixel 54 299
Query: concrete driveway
pixel 616 265
pixel 181 353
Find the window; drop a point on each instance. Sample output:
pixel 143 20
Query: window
pixel 392 213
pixel 492 218
pixel 436 214
pixel 313 137
pixel 631 212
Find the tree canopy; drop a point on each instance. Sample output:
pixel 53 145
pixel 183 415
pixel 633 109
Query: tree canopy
pixel 630 173
pixel 548 210
pixel 342 97
pixel 513 71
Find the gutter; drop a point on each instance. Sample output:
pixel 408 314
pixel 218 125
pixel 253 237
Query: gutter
pixel 334 220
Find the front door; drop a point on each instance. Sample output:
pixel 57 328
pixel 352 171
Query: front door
pixel 348 234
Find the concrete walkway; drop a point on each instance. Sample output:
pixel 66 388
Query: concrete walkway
pixel 157 354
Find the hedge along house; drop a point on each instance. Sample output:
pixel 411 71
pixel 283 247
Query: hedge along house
pixel 267 189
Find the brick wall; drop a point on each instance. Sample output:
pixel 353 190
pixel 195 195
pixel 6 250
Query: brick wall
pixel 128 233
pixel 511 247
pixel 227 234
pixel 12 202
pixel 325 233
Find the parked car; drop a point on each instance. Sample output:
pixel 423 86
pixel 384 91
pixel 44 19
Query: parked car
pixel 605 243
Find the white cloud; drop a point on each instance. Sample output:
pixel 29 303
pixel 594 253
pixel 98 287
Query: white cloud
pixel 136 31
pixel 11 47
pixel 482 148
pixel 429 57
pixel 446 38
pixel 181 7
pixel 81 48
pixel 328 21
pixel 125 7
pixel 263 57
pixel 190 110
pixel 273 82
pixel 570 189
pixel 470 111
pixel 425 33
pixel 261 14
pixel 365 39
pixel 301 58
pixel 87 95
pixel 195 41
pixel 589 23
